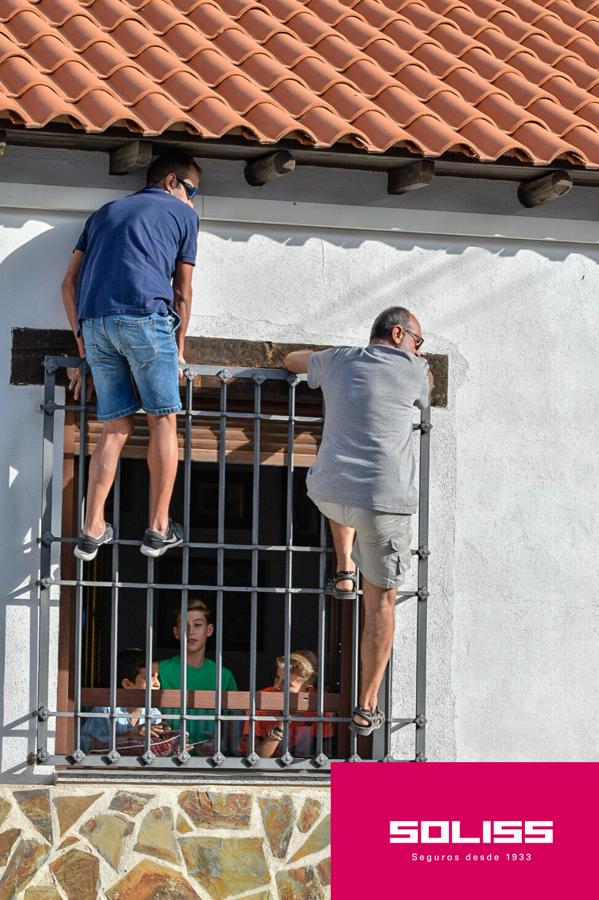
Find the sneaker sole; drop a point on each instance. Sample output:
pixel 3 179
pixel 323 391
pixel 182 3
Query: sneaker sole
pixel 150 551
pixel 86 557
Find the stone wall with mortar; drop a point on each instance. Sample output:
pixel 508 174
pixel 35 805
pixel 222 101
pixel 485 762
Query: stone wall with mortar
pixel 136 842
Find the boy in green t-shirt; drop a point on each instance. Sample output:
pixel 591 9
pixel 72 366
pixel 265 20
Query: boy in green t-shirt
pixel 201 674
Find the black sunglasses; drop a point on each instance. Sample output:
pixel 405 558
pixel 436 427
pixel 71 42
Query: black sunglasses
pixel 190 189
pixel 418 341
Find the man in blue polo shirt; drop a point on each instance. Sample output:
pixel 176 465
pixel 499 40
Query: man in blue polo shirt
pixel 127 295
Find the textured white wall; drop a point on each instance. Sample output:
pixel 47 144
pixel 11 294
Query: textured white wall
pixel 513 615
pixel 31 259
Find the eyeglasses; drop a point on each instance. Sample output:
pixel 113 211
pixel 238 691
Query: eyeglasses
pixel 418 341
pixel 190 189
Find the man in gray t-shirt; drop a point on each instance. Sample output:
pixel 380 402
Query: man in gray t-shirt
pixel 363 479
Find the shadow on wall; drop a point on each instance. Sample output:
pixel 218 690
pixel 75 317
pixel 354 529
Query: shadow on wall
pixel 339 280
pixel 297 236
pixel 30 278
pixel 34 270
pixel 21 444
pixel 20 503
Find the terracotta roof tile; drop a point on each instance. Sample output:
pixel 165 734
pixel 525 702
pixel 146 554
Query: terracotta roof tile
pixel 481 78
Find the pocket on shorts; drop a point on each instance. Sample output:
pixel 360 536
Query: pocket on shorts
pixel 138 338
pixel 402 552
pixel 89 340
pixel 168 323
pixel 165 330
pixel 399 560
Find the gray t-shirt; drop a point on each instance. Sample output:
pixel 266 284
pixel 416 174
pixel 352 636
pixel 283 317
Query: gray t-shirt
pixel 366 457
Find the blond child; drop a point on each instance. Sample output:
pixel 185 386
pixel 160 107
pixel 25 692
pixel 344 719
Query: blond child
pixel 303 675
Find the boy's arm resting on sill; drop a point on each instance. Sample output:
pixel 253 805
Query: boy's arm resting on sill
pixel 298 361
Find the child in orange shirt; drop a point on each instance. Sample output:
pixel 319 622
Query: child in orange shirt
pixel 303 673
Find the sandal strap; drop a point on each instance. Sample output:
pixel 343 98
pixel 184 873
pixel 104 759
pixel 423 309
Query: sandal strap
pixel 344 576
pixel 372 716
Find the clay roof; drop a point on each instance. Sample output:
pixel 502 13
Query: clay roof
pixel 481 78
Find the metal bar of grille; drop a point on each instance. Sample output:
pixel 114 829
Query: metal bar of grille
pixel 142 585
pixel 287 755
pixel 381 739
pixel 252 755
pixel 79 566
pixel 242 372
pixel 45 569
pixel 264 766
pixel 208 717
pixel 264 417
pixel 423 553
pixel 214 414
pixel 355 673
pixel 322 564
pixel 388 683
pixel 235 717
pixel 183 753
pixel 218 757
pixel 148 755
pixel 114 611
pixel 195 545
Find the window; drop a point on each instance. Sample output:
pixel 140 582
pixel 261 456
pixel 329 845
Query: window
pixel 256 551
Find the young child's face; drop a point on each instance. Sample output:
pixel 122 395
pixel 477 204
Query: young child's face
pixel 198 630
pixel 140 679
pixel 296 682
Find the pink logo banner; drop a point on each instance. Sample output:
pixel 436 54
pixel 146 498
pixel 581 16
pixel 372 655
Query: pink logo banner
pixel 469 830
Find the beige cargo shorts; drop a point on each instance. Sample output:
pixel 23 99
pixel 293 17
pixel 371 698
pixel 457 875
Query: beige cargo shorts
pixel 382 548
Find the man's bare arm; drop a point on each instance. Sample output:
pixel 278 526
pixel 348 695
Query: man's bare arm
pixel 298 361
pixel 69 296
pixel 182 294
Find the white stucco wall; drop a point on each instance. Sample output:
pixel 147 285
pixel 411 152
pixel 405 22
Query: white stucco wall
pixel 513 621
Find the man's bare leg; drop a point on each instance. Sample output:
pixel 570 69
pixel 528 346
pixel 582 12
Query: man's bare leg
pixel 102 469
pixel 163 457
pixel 376 642
pixel 343 540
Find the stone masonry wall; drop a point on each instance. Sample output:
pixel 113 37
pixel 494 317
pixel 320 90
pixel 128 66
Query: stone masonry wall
pixel 176 842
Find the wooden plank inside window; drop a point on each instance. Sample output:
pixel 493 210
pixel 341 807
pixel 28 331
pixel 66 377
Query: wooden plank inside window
pixel 305 701
pixel 240 431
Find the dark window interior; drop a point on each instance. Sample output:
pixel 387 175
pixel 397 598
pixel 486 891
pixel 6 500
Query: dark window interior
pixel 237 571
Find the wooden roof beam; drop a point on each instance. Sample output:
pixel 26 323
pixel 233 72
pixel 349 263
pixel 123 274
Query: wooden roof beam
pixel 544 189
pixel 267 168
pixel 415 175
pixel 130 156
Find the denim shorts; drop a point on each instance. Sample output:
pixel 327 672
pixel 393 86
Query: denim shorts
pixel 382 547
pixel 134 363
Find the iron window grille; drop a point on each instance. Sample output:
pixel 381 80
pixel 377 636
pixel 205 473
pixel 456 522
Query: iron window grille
pixel 319 706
